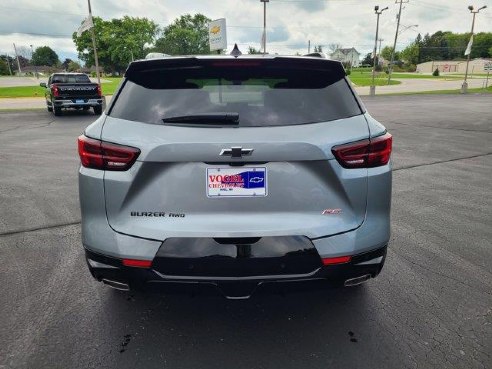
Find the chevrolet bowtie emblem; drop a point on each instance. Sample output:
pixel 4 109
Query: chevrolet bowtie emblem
pixel 236 152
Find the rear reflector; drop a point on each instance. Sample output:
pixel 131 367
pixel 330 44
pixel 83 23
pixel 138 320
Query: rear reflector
pixel 137 263
pixel 102 155
pixel 336 260
pixel 367 153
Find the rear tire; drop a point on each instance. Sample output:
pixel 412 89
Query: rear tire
pixel 57 111
pixel 98 110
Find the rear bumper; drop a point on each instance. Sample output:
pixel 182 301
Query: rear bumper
pixel 111 271
pixel 73 103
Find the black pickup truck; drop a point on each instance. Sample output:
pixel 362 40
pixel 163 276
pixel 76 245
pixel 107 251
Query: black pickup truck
pixel 72 90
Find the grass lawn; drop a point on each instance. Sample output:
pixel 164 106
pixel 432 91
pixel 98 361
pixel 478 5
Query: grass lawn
pixel 366 79
pixel 447 92
pixel 108 88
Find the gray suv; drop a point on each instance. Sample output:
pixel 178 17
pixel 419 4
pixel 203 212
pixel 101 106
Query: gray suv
pixel 236 174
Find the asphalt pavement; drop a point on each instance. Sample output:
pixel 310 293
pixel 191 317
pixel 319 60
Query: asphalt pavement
pixel 431 307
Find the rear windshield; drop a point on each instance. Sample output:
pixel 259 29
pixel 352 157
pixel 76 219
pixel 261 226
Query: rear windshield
pixel 261 96
pixel 67 78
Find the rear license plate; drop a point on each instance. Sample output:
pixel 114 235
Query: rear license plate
pixel 237 182
pixel 79 101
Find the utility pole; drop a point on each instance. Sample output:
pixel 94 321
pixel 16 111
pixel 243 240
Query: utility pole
pixel 464 86
pixel 379 52
pixel 309 46
pixel 390 67
pixel 373 84
pixel 264 24
pixel 94 44
pixel 18 63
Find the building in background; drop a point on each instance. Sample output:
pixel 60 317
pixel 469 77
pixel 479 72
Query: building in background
pixel 347 56
pixel 454 66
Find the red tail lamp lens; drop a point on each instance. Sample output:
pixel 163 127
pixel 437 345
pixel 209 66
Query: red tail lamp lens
pixel 137 263
pixel 55 90
pixel 102 155
pixel 367 153
pixel 336 260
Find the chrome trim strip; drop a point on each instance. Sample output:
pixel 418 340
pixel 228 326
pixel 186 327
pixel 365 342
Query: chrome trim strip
pixel 249 278
pixel 97 264
pixel 377 260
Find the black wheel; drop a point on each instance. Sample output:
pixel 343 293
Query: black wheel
pixel 50 109
pixel 57 111
pixel 86 107
pixel 98 110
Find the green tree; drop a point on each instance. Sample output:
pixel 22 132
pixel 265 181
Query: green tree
pixel 410 54
pixel 65 63
pixel 8 60
pixel 117 41
pixel 73 66
pixel 490 52
pixel 187 35
pixel 44 55
pixel 386 54
pixel 252 50
pixel 133 34
pixel 368 59
pixel 4 68
pixel 318 49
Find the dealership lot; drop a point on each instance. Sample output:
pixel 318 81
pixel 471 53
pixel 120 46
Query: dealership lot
pixel 430 307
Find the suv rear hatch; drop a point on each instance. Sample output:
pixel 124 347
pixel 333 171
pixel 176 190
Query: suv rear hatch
pixel 235 148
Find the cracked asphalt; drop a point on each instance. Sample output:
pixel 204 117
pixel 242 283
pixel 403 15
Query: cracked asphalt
pixel 431 307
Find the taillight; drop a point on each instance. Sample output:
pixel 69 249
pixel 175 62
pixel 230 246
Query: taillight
pixel 99 92
pixel 368 153
pixel 137 263
pixel 336 260
pixel 102 155
pixel 55 90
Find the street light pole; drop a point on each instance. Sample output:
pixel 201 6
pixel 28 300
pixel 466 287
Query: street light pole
pixel 464 86
pixel 373 85
pixel 94 45
pixel 264 25
pixel 35 67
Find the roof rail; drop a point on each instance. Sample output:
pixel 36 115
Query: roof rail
pixel 318 55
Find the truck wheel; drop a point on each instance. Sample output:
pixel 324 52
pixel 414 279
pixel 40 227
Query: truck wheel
pixel 57 111
pixel 98 110
pixel 49 107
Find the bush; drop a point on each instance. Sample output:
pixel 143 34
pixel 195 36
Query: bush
pixel 347 72
pixel 436 73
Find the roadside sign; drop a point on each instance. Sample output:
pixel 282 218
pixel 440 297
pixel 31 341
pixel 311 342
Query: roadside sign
pixel 487 66
pixel 217 34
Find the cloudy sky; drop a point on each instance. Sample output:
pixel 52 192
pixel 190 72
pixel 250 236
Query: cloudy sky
pixel 290 23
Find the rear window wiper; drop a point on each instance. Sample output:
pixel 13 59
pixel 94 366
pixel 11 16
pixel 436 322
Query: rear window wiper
pixel 205 118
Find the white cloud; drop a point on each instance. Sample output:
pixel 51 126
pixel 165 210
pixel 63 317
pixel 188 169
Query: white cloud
pixel 290 23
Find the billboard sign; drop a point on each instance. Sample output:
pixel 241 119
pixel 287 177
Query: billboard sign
pixel 217 34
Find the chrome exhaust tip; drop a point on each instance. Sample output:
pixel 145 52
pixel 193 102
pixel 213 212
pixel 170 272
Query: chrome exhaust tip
pixel 116 285
pixel 356 281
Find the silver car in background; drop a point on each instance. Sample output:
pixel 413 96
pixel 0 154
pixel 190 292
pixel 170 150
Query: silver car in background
pixel 235 173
